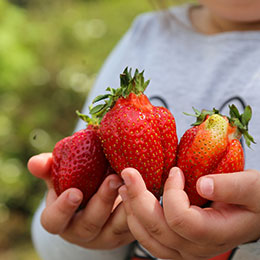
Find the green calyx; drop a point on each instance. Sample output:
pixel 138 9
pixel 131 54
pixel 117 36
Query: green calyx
pixel 128 84
pixel 241 121
pixel 135 84
pixel 201 115
pixel 89 120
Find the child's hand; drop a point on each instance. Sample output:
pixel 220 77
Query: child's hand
pixel 101 225
pixel 180 231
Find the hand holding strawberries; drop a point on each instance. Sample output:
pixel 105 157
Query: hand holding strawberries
pixel 138 141
pixel 133 132
pixel 179 230
pixel 101 225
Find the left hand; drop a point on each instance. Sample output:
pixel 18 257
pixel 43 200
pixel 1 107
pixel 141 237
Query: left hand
pixel 179 230
pixel 100 225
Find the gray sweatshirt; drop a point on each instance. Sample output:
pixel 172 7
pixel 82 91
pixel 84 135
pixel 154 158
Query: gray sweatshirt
pixel 185 69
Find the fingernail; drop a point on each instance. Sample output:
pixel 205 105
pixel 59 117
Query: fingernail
pixel 123 193
pixel 74 198
pixel 175 173
pixel 114 184
pixel 127 179
pixel 206 186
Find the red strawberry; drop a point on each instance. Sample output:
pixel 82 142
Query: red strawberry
pixel 169 139
pixel 135 133
pixel 212 146
pixel 79 162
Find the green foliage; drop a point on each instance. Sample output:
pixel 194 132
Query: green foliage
pixel 50 53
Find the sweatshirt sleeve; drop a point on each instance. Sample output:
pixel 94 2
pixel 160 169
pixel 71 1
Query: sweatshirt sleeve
pixel 248 251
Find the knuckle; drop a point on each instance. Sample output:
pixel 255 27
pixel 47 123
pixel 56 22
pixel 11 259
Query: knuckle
pixel 106 197
pixel 90 227
pixel 186 226
pixel 117 231
pixel 154 229
pixel 177 222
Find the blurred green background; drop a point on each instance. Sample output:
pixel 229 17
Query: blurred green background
pixel 50 53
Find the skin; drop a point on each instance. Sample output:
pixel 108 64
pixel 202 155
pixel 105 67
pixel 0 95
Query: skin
pixel 101 225
pixel 183 231
pixel 178 230
pixel 217 16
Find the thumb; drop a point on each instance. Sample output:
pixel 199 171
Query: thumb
pixel 40 166
pixel 240 188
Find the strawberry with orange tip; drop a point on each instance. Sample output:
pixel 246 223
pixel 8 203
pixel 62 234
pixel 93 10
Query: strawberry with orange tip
pixel 212 146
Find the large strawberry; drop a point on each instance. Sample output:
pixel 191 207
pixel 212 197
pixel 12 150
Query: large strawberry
pixel 212 146
pixel 79 162
pixel 135 133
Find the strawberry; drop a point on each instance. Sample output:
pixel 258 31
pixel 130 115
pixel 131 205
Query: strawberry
pixel 212 146
pixel 135 133
pixel 79 162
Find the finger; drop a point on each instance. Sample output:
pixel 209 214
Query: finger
pixel 135 189
pixel 51 197
pixel 40 166
pixel 240 188
pixel 58 213
pixel 155 247
pixel 175 183
pixel 115 233
pixel 189 221
pixel 88 223
pixel 148 210
pixel 118 200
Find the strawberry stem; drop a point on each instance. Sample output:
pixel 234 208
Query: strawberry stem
pixel 128 84
pixel 241 121
pixel 135 84
pixel 201 115
pixel 89 120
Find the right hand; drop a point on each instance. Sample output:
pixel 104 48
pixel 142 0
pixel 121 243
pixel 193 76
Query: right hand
pixel 102 224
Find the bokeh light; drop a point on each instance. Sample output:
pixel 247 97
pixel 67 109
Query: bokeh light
pixel 50 54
